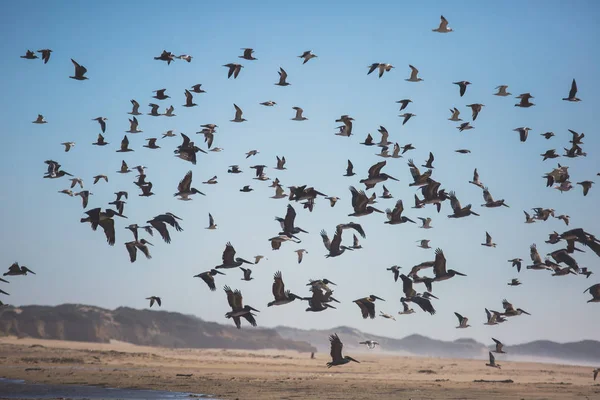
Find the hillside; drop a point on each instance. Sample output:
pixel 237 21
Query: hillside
pixel 142 327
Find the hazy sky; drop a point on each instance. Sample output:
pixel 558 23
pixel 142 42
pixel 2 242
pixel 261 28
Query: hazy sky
pixel 530 47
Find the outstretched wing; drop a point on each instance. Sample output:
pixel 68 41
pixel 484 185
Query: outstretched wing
pixel 278 286
pixel 336 348
pixel 228 254
pixel 439 266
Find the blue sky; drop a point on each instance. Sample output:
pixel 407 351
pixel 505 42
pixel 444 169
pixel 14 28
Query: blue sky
pixel 530 48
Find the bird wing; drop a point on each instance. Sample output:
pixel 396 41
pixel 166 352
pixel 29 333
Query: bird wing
pixel 353 225
pixel 375 170
pixel 237 298
pixel 14 268
pixel 487 197
pixel 359 199
pixel 573 90
pixel 326 242
pixel 124 143
pixel 350 167
pixel 132 250
pixel 507 306
pixel 424 303
pixel 288 222
pixel 278 286
pixel 336 348
pixel 488 238
pixel 414 72
pixel 209 279
pixel 282 75
pixel 492 358
pixel 407 286
pixel 108 225
pixel 211 220
pixel 228 254
pixel 162 229
pixel 238 112
pixel 443 23
pixel 460 318
pixel 337 240
pixel 185 183
pixel 535 256
pixel 439 266
pixel 230 297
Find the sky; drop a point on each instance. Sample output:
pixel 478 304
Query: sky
pixel 530 48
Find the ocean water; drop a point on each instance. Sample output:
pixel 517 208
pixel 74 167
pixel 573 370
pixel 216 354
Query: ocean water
pixel 19 389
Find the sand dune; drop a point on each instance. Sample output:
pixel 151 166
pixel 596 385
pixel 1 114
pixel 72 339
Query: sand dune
pixel 272 374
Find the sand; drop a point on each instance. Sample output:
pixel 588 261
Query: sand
pixel 272 374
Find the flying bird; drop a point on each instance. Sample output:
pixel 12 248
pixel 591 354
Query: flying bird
pixel 307 55
pixel 463 86
pixel 573 93
pixel 80 70
pixel 336 352
pixel 154 299
pixel 443 28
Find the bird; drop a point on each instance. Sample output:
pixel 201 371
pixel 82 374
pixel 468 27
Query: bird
pixel 135 108
pixel 134 246
pixel 596 371
pixel 102 122
pixel 509 310
pixel 455 113
pixel 395 216
pixel 564 218
pixel 84 194
pixel 403 103
pixel 458 211
pixel 229 259
pixel 443 28
pixel 462 321
pixel 189 99
pixel 336 352
pixel 439 267
pixel 300 253
pixel 413 75
pixel 350 169
pixel 386 316
pixel 281 295
pixel 547 135
pixel 68 145
pixel 386 193
pixel 234 69
pixel 166 56
pixel 185 57
pixel 282 78
pixel 586 185
pixel 246 189
pixel 584 271
pixel 375 176
pixel 367 305
pixel 133 126
pixel 573 93
pixel 98 177
pixel 40 120
pixel 524 102
pixel 154 299
pixel 464 126
pixel 502 91
pixel 382 68
pixel 492 362
pixel 197 88
pixel 15 270
pixel 269 103
pixel 29 55
pixel 299 116
pixel 476 109
pixel 184 189
pixel 370 344
pixel 307 56
pixel 492 317
pixel 154 111
pixel 463 86
pixel 514 282
pixel 523 132
pixel 360 203
pixel 406 309
pixel 238 115
pixel 429 161
pixel 45 55
pixel 463 151
pixel 211 222
pixel 238 310
pixel 549 154
pixel 594 290
pixel 151 144
pixel 160 224
pixel 124 146
pixel 499 346
pixel 160 94
pixel 406 117
pixel 247 54
pixel 426 223
pixel 423 243
pixel 516 262
pixel 334 247
pixel 80 70
pixel 247 272
pixel 412 296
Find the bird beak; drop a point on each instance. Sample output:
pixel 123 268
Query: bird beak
pixel 219 272
pixel 4 280
pixel 525 312
pixel 147 242
pixel 30 271
pixel 253 309
pixel 332 283
pixel 410 220
pixel 356 361
pixel 459 273
pixel 379 211
pixel 330 306
pixel 394 179
pixel 378 298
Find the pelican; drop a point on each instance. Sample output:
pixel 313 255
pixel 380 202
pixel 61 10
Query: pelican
pixel 459 212
pixel 463 86
pixel 282 78
pixel 80 70
pixel 375 175
pixel 426 223
pixel 595 292
pixel 413 75
pixel 40 120
pixel 319 301
pixel 277 241
pixel 336 352
pixel 287 223
pixel 360 204
pixel 281 295
pixel 455 113
pixel 133 126
pixel 229 260
pixel 166 56
pixel 492 362
pixel 502 91
pixel 367 305
pixel 516 262
pixel 154 299
pixel 370 344
pixel 334 247
pixel 299 116
pixel 234 69
pixel 524 102
pixel 299 253
pixel 538 264
pixel 211 222
pixel 184 189
pixel 488 241
pixel 462 321
pixel 439 267
pixel 382 68
pixel 133 247
pixel 411 295
pixel 423 243
pixel 395 216
pixel 476 109
pixel 103 219
pixel 247 272
pixel 443 28
pixel 54 171
pixel 573 93
pixel 15 269
pixel 159 223
pixel 407 310
pixel 134 229
pixel 238 310
pixel 509 310
pixel 238 115
pixel 248 54
pixel 307 55
pixel 396 271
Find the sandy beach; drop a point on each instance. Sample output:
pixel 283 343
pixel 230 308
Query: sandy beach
pixel 271 374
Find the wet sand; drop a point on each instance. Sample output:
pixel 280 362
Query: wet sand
pixel 272 374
